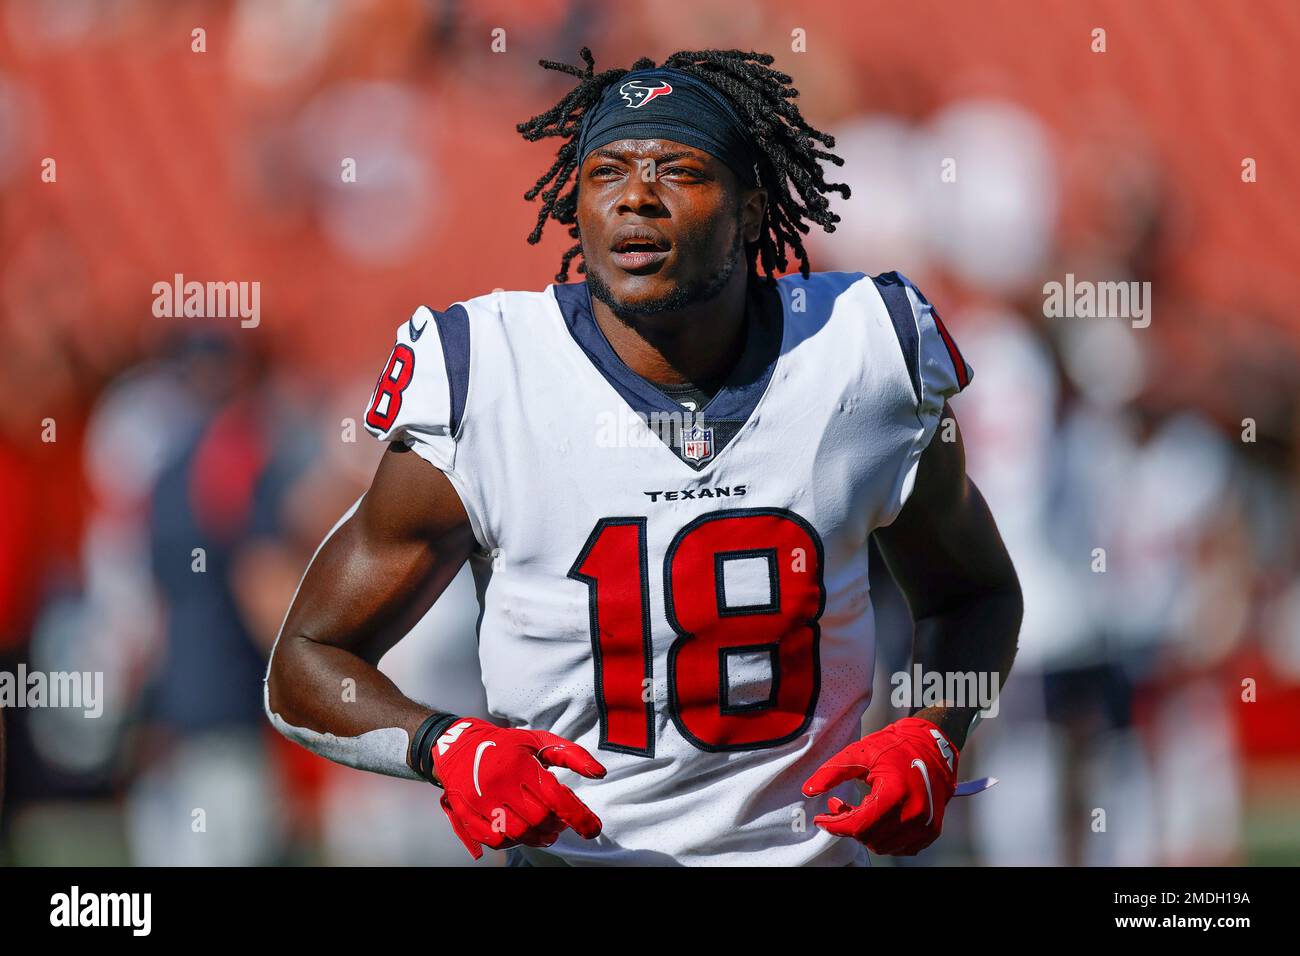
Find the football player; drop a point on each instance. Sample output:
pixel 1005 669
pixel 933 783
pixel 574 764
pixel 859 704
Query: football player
pixel 664 479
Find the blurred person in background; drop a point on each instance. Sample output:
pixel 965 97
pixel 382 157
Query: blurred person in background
pixel 336 816
pixel 204 794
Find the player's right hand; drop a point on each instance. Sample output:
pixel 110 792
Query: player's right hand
pixel 499 792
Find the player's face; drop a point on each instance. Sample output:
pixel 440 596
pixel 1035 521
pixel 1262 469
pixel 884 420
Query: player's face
pixel 662 224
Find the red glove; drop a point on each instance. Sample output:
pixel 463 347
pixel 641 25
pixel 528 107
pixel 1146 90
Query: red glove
pixel 911 768
pixel 498 792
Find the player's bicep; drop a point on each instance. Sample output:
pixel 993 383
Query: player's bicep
pixel 382 568
pixel 944 546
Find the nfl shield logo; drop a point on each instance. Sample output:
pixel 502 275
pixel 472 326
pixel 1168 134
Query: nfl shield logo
pixel 697 443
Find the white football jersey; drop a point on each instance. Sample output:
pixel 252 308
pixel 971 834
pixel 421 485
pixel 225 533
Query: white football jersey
pixel 682 593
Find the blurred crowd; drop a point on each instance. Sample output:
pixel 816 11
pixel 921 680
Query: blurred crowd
pixel 165 481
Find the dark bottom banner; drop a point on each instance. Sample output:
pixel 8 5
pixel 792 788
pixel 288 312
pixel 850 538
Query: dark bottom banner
pixel 737 906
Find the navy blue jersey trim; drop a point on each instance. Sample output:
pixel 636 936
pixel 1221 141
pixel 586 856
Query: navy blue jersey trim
pixel 893 290
pixel 575 305
pixel 453 329
pixel 737 401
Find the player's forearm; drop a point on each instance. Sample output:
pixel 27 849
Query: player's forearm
pixel 372 579
pixel 341 707
pixel 970 646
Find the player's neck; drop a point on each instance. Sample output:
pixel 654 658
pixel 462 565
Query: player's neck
pixel 699 344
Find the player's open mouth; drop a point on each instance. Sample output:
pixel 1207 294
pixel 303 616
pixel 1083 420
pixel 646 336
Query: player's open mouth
pixel 638 249
pixel 636 261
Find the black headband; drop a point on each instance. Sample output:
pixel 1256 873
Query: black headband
pixel 670 104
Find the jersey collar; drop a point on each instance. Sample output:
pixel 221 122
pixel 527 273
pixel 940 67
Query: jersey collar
pixel 728 410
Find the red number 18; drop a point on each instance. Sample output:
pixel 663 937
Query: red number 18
pixel 710 631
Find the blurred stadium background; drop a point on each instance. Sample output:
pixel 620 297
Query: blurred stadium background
pixel 182 433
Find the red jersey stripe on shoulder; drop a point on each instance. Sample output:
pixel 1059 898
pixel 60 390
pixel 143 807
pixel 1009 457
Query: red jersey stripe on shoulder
pixel 958 363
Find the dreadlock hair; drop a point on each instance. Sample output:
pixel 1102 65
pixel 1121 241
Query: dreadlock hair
pixel 764 100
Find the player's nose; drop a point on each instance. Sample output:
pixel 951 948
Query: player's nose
pixel 639 197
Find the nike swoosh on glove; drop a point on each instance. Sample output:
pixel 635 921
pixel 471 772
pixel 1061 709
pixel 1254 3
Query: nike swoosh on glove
pixel 911 768
pixel 498 791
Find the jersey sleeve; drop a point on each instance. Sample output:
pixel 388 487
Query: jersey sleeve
pixel 944 372
pixel 935 365
pixel 419 397
pixel 936 371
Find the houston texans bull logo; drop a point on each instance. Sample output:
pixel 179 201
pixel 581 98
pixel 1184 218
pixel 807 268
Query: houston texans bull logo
pixel 638 93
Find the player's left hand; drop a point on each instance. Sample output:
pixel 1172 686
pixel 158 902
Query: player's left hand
pixel 911 768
